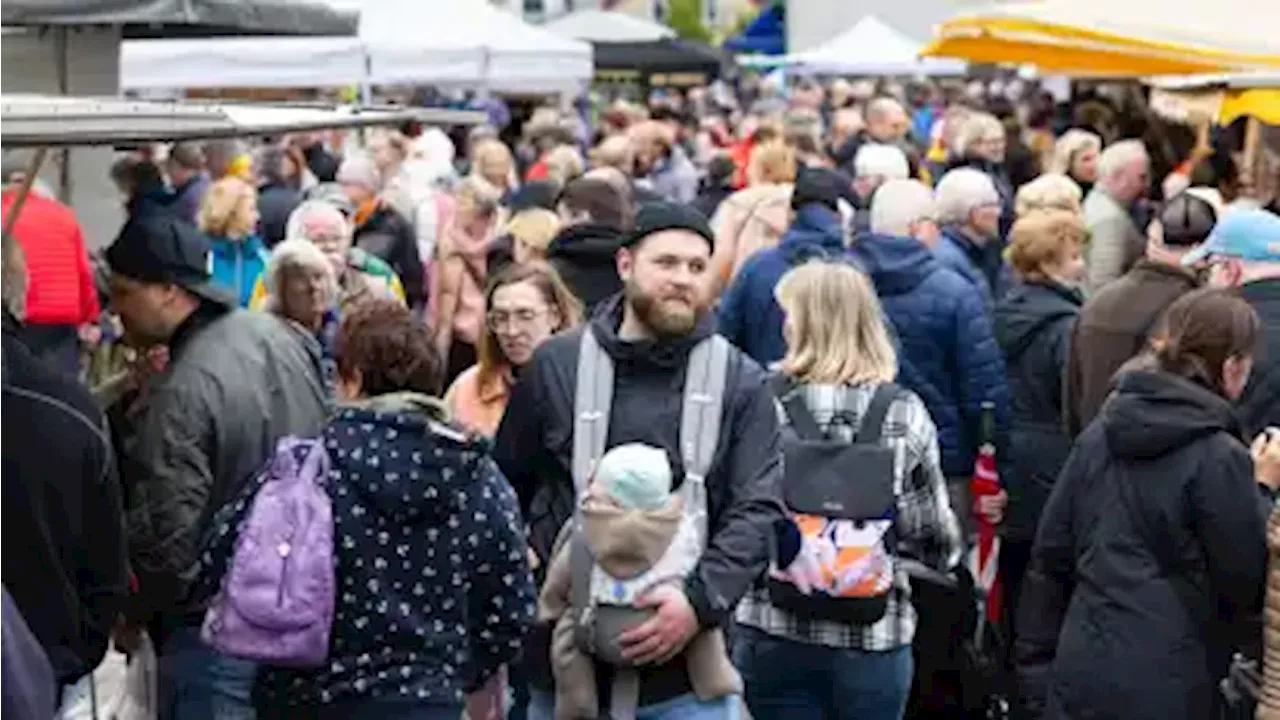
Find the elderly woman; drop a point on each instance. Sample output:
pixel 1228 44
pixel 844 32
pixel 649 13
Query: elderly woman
pixel 301 287
pixel 1051 192
pixel 525 305
pixel 1076 156
pixel 360 275
pixel 980 143
pixel 1033 326
pixel 969 210
pixel 229 216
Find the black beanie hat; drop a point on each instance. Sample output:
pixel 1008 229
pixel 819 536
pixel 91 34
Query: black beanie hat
pixel 658 216
pixel 815 186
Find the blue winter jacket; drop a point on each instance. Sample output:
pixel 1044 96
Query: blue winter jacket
pixel 237 265
pixel 961 254
pixel 949 356
pixel 749 315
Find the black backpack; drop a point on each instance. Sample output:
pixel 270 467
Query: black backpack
pixel 834 556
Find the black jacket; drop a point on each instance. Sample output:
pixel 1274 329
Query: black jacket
pixel 1033 327
pixel 65 565
pixel 1260 405
pixel 1150 554
pixel 585 256
pixel 389 236
pixel 534 449
pixel 275 203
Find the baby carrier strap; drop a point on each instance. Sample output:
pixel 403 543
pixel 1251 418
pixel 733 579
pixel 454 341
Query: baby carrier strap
pixel 704 387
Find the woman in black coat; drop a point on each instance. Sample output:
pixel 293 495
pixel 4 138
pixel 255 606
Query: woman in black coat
pixel 1033 326
pixel 1151 550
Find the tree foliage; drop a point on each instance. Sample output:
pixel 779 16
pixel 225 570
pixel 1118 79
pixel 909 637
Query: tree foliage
pixel 685 17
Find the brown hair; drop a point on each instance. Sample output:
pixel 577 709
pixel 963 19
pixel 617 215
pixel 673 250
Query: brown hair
pixel 1043 238
pixel 1200 331
pixel 598 199
pixel 553 290
pixel 389 348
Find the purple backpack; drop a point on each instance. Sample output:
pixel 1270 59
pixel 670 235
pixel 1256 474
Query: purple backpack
pixel 276 602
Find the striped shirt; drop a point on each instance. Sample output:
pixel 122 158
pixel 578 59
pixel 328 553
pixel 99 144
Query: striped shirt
pixel 926 527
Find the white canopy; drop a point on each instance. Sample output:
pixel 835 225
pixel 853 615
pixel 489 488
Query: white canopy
pixel 606 26
pixel 473 44
pixel 870 47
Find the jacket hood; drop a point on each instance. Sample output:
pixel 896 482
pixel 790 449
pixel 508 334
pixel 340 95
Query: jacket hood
pixel 661 355
pixel 1154 412
pixel 1026 310
pixel 399 455
pixel 587 244
pixel 625 543
pixel 816 231
pixel 897 265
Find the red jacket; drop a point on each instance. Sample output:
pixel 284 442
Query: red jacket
pixel 60 286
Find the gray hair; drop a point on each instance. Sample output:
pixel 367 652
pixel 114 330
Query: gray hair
pixel 296 254
pixel 1072 143
pixel 972 130
pixel 880 160
pixel 960 191
pixel 899 204
pixel 316 214
pixel 1118 156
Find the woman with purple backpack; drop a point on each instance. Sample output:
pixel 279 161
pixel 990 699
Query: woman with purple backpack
pixel 430 590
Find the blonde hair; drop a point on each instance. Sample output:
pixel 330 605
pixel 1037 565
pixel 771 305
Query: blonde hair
pixel 489 153
pixel 1043 238
pixel 1048 193
pixel 534 228
pixel 478 195
pixel 564 164
pixel 837 333
pixel 228 208
pixel 772 162
pixel 1071 144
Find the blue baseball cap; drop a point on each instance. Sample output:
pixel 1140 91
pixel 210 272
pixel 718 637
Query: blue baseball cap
pixel 1244 233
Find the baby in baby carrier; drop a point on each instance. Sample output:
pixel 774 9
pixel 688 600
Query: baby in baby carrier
pixel 629 519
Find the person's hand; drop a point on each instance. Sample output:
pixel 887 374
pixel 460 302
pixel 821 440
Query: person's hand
pixel 90 335
pixel 534 562
pixel 1266 458
pixel 663 636
pixel 991 507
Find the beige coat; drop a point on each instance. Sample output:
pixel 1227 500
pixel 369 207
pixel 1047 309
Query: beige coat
pixel 624 543
pixel 747 221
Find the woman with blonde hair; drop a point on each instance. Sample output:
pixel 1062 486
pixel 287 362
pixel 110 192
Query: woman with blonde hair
pixel 1049 193
pixel 757 216
pixel 1033 327
pixel 1076 156
pixel 839 358
pixel 492 161
pixel 229 216
pixel 524 305
pixel 531 232
pixel 460 271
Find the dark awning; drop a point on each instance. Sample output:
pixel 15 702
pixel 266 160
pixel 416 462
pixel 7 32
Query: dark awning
pixel 767 34
pixel 660 56
pixel 147 18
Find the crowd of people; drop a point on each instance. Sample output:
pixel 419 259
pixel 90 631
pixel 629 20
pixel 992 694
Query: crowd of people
pixel 656 420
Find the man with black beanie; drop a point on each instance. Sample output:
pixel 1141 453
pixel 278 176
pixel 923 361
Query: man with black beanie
pixel 749 315
pixel 648 333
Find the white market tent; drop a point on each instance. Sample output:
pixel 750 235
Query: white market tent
pixel 473 44
pixel 870 47
pixel 606 26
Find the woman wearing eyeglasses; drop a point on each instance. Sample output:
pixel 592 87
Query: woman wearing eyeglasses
pixel 524 305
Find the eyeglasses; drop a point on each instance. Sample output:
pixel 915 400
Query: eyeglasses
pixel 496 320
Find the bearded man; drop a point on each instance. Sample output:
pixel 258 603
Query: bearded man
pixel 649 331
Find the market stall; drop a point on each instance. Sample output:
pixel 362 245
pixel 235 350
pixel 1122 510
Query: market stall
pixel 632 50
pixel 870 47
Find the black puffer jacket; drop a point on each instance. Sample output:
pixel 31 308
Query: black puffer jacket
pixel 1033 327
pixel 534 449
pixel 388 235
pixel 1150 554
pixel 1260 404
pixel 584 255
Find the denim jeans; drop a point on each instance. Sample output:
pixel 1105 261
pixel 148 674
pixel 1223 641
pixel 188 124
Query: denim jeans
pixel 197 683
pixel 788 680
pixel 685 707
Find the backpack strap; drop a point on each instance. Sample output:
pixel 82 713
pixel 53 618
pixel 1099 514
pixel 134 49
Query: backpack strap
pixel 592 403
pixel 798 414
pixel 704 385
pixel 872 426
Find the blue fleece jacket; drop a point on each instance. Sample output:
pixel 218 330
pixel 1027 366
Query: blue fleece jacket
pixel 949 356
pixel 749 315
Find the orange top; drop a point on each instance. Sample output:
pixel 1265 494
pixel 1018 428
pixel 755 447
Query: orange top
pixel 476 408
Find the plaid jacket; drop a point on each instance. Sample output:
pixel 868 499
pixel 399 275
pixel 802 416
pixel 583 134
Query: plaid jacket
pixel 927 529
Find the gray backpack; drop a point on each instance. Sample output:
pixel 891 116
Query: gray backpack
pixel 603 606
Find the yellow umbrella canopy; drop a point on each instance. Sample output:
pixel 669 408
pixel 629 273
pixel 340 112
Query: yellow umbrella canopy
pixel 1219 99
pixel 1117 38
